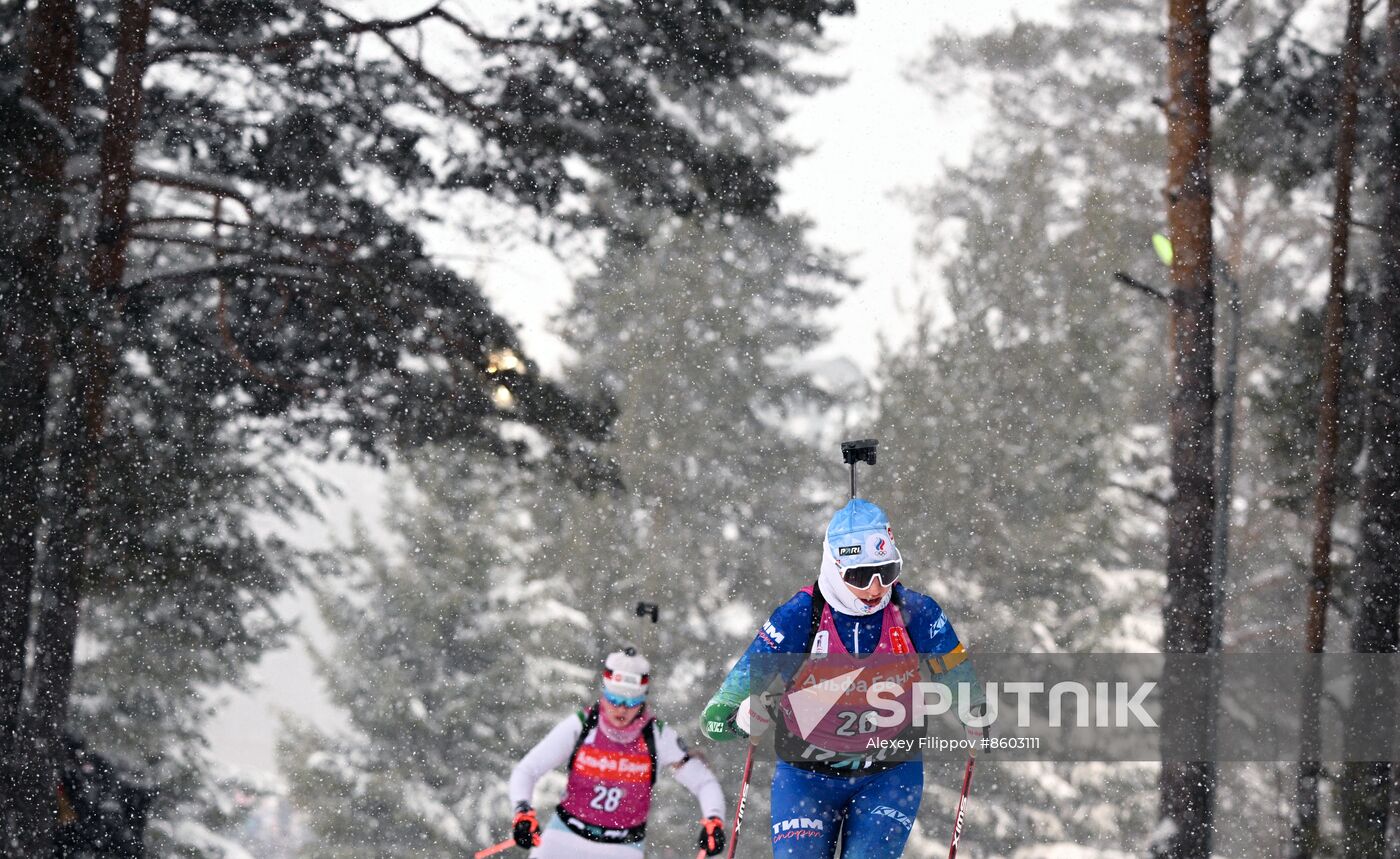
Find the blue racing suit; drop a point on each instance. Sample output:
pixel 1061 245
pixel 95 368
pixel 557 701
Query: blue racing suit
pixel 873 812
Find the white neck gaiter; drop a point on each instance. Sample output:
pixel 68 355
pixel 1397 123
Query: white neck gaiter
pixel 838 596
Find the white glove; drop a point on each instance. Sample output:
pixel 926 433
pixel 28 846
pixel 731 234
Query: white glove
pixel 977 735
pixel 752 720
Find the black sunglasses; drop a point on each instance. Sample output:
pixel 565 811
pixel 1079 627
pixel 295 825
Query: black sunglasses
pixel 861 577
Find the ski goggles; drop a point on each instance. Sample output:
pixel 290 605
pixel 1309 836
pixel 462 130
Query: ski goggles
pixel 862 577
pixel 619 701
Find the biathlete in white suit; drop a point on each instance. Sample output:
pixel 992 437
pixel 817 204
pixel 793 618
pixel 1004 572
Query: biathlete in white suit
pixel 613 751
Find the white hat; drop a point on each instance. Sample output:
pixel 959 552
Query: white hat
pixel 626 674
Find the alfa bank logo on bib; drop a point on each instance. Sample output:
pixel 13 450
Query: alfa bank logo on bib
pixel 612 766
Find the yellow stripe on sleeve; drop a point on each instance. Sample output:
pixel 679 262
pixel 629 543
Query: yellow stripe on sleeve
pixel 948 661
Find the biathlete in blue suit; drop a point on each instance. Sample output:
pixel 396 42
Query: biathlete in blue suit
pixel 824 788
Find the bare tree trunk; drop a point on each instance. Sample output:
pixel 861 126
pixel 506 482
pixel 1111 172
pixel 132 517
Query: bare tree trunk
pixel 1376 628
pixel 79 445
pixel 1188 788
pixel 1392 838
pixel 125 102
pixel 31 257
pixel 1305 813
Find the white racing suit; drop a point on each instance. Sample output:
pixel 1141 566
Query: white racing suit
pixel 565 742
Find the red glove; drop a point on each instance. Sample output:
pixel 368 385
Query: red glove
pixel 526 827
pixel 712 836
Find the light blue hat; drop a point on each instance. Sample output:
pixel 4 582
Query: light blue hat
pixel 859 535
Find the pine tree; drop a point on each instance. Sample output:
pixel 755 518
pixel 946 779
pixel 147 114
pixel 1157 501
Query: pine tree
pixel 1061 197
pixel 1368 786
pixel 1024 417
pixel 329 325
pixel 33 146
pixel 455 648
pixel 181 602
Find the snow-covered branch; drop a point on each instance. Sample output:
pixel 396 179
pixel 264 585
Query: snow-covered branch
pixel 421 72
pixel 1128 280
pixel 218 186
pixel 178 275
pixel 324 242
pixel 258 255
pixel 248 48
pixel 49 121
pixel 276 44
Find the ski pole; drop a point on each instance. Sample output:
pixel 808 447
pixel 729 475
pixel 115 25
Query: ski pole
pixel 958 819
pixel 495 848
pixel 743 796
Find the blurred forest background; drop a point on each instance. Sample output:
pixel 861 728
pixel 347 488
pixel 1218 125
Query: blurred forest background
pixel 217 294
